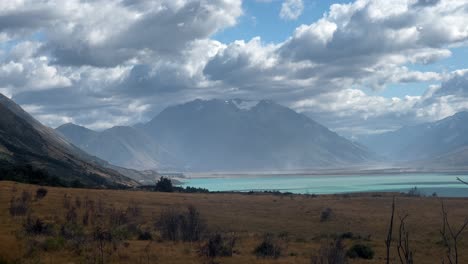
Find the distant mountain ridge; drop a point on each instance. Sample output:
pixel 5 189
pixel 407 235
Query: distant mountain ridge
pixel 249 135
pixel 215 135
pixel 120 145
pixel 443 142
pixel 26 143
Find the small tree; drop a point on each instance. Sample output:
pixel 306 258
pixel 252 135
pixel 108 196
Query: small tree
pixel 164 185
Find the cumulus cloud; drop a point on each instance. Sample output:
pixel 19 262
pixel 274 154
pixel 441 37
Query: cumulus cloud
pixel 107 33
pixel 356 46
pixel 291 9
pixel 364 31
pixel 102 63
pixel 31 74
pixel 354 112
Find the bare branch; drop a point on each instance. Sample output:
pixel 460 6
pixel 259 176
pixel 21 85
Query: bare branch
pixel 388 241
pixel 462 181
pixel 404 251
pixel 451 239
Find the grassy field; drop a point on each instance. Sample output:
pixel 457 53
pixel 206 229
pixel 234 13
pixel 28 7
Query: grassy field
pixel 295 220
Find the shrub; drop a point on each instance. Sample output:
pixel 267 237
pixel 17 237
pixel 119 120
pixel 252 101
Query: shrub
pixel 133 209
pixel 71 231
pixel 414 192
pixel 67 203
pixel 186 226
pixel 102 238
pixel 120 233
pixel 268 248
pixel 71 216
pixel 145 235
pixel 77 202
pixel 168 224
pixel 326 214
pixel 3 261
pixel 191 225
pixel 53 244
pixel 20 206
pixel 189 189
pixel 218 246
pixel 35 226
pixel 117 217
pixel 347 235
pixel 331 253
pixel 360 251
pixel 86 217
pixel 41 193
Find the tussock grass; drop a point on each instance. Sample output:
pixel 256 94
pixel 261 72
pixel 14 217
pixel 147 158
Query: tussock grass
pixel 248 216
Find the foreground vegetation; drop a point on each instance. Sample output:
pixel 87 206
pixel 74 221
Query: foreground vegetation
pixel 60 225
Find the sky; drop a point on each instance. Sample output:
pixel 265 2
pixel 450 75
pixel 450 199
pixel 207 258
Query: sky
pixel 358 67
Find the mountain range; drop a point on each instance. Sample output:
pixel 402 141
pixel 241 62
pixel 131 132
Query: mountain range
pixel 443 143
pixel 217 135
pixel 221 135
pixel 27 146
pixel 124 146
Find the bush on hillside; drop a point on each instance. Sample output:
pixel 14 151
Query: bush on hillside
pixel 41 193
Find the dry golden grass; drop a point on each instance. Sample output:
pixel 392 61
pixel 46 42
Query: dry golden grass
pixel 250 216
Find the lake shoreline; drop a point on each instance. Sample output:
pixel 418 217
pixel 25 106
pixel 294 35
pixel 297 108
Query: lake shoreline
pixel 311 173
pixel 445 184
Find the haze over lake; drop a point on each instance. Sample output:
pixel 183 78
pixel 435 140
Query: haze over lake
pixel 427 184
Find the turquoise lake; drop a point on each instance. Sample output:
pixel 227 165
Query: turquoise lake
pixel 442 184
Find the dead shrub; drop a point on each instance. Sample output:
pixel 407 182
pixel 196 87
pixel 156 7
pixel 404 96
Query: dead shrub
pixel 268 247
pixel 185 226
pixel 36 226
pixel 326 214
pixel 218 246
pixel 169 224
pixel 20 206
pixel 331 253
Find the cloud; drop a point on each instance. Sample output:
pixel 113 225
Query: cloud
pixel 103 63
pixel 424 3
pixel 354 47
pixel 291 9
pixel 28 73
pixel 107 33
pixel 354 112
